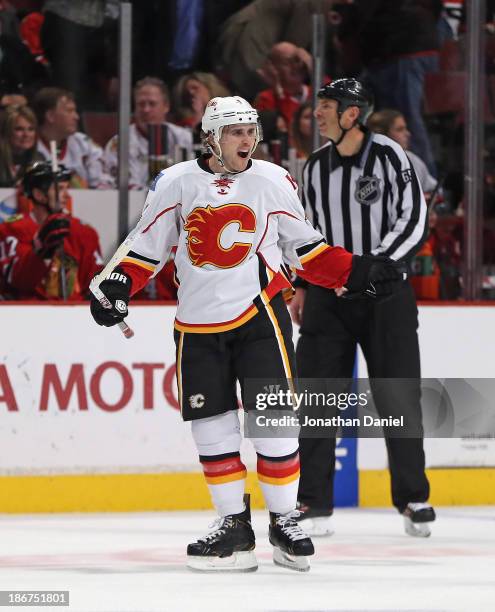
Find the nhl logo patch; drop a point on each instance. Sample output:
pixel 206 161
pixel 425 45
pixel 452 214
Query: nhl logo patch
pixel 368 189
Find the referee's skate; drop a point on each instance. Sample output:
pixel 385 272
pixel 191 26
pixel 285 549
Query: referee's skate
pixel 417 517
pixel 315 522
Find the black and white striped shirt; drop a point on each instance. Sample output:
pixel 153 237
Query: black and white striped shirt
pixel 370 202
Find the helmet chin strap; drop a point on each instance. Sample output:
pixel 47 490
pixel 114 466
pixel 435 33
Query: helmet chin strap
pixel 220 158
pixel 343 132
pixel 221 161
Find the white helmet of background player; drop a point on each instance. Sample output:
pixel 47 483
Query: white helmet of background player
pixel 219 112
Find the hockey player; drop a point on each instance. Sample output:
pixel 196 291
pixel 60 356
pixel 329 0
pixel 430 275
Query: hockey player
pixel 46 253
pixel 235 221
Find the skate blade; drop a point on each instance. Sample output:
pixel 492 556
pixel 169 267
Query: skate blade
pixel 416 530
pixel 238 562
pixel 317 527
pixel 299 564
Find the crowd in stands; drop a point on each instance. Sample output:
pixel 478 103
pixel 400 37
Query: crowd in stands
pixel 151 108
pixel 58 64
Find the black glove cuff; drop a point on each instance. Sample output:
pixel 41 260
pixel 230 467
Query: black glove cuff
pixel 358 278
pixel 300 283
pixel 117 282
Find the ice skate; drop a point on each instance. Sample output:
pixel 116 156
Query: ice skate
pixel 291 546
pixel 314 522
pixel 228 547
pixel 416 519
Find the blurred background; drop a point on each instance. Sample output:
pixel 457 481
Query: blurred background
pixel 430 65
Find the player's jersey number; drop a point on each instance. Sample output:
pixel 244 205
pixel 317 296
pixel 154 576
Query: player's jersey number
pixel 8 247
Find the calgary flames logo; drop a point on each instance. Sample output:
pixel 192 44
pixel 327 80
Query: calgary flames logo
pixel 205 227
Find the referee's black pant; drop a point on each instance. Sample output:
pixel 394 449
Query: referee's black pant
pixel 386 330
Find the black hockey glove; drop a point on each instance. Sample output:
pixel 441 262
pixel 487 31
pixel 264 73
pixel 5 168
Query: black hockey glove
pixel 51 235
pixel 117 288
pixel 374 276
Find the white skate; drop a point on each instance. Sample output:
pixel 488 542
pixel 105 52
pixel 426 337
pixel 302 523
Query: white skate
pixel 416 519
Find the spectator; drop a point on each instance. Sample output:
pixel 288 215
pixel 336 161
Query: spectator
pixel 191 95
pixel 273 125
pixel 172 38
pixel 216 14
pixel 168 37
pixel 287 69
pixel 275 137
pixel 248 36
pixel 73 38
pixel 392 123
pixel 189 29
pixel 17 144
pixel 302 130
pixel 30 32
pixel 12 98
pixel 50 252
pixel 151 107
pixel 17 66
pixel 58 120
pixel 8 19
pixel 398 43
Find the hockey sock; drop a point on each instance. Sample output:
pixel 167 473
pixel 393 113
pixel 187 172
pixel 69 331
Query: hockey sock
pixel 226 478
pixel 279 481
pixel 218 440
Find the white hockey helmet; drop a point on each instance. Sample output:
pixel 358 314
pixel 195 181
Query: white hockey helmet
pixel 230 110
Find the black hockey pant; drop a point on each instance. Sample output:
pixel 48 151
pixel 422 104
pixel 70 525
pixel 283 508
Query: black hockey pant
pixel 387 333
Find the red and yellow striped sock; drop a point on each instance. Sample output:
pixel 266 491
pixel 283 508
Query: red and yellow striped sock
pixel 226 476
pixel 279 481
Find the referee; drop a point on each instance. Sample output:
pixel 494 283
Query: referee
pixel 362 193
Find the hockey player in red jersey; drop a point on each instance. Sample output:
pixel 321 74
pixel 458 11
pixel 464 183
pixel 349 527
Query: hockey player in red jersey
pixel 47 253
pixel 236 223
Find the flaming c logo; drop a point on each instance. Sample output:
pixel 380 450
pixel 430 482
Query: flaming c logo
pixel 205 227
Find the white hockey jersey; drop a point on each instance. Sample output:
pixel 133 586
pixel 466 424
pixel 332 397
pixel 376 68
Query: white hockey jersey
pixel 233 234
pixel 138 152
pixel 85 158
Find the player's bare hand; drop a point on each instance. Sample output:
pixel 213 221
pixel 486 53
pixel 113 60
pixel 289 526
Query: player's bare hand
pixel 340 291
pixel 296 305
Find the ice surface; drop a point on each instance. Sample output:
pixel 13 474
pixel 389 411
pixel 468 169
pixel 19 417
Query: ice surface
pixel 136 562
